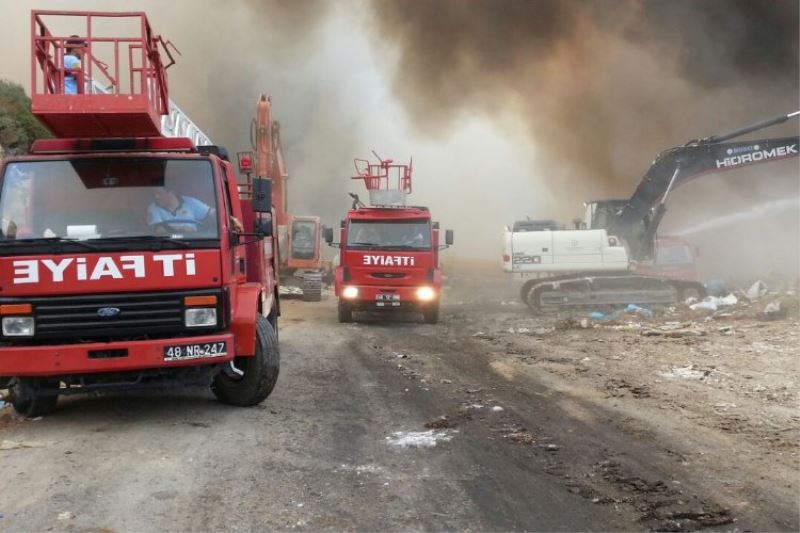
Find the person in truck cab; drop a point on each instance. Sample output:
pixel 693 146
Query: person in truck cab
pixel 172 211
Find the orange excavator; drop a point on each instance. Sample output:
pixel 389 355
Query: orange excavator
pixel 298 237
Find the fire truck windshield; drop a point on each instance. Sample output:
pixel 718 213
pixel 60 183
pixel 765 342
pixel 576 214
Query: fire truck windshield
pixel 389 234
pixel 114 198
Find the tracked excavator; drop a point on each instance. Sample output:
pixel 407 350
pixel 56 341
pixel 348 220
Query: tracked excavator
pixel 302 268
pixel 602 263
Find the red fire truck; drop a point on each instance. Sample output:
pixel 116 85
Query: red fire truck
pixel 389 252
pixel 128 259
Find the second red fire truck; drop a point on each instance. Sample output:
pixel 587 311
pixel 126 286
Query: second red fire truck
pixel 389 251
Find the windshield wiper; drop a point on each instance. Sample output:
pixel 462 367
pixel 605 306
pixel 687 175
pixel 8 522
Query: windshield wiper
pixel 145 238
pixel 39 240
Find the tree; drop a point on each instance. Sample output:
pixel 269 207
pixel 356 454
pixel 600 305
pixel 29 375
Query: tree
pixel 18 127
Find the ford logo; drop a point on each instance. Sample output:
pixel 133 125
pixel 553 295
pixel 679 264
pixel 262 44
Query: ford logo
pixel 107 312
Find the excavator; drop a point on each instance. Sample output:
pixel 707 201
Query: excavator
pixel 603 262
pixel 298 236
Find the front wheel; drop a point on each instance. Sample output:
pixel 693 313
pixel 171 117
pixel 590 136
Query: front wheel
pixel 431 314
pixel 29 400
pixel 345 312
pixel 252 378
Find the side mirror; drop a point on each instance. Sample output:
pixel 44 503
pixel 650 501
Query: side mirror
pixel 448 237
pixel 263 227
pixel 327 234
pixel 262 195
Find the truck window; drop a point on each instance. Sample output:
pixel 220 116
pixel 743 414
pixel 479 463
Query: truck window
pixel 109 198
pixel 389 234
pixel 303 239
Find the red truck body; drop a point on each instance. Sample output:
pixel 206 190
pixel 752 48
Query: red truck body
pixel 94 295
pixel 389 255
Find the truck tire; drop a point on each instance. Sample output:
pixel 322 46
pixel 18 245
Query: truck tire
pixel 431 314
pixel 28 401
pixel 260 371
pixel 345 312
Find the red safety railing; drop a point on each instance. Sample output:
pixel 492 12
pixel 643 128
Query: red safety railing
pixel 384 175
pixel 121 72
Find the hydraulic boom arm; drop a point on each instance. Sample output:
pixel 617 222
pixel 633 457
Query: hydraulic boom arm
pixel 638 221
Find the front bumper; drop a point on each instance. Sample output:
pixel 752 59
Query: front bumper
pixel 96 357
pixel 386 298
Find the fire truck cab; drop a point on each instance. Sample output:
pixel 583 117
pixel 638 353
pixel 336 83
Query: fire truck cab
pixel 389 252
pixel 129 261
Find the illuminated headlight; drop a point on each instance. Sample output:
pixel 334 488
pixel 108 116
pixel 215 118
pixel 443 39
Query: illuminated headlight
pixel 201 316
pixel 425 294
pixel 18 326
pixel 350 292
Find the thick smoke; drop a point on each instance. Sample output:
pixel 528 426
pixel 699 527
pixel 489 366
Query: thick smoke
pixel 602 86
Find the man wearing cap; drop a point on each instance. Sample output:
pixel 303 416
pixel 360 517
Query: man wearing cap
pixel 72 64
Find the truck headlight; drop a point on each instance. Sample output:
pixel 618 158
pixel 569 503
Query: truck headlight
pixel 18 326
pixel 200 316
pixel 425 294
pixel 350 292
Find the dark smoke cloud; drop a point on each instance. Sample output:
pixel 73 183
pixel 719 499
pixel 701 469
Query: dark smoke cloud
pixel 603 86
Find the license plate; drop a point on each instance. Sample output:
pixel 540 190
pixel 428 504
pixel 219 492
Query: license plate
pixel 195 351
pixel 383 297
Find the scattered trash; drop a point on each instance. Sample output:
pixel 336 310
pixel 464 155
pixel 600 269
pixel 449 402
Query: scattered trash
pixel 633 309
pixel 604 317
pixel 691 300
pixel 497 409
pixel 757 290
pixel 522 437
pixel 673 332
pixel 551 447
pixel 584 323
pixel 567 323
pixel 418 439
pixel 686 372
pixel 400 355
pixel 66 515
pixel 440 423
pixel 726 330
pixel 773 311
pixel 712 303
pixel 2 404
pixel 285 290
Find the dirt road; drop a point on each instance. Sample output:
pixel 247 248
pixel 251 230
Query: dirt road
pixel 491 420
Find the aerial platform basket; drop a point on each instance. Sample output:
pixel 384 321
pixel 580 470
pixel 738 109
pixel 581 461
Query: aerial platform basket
pixel 121 81
pixel 388 183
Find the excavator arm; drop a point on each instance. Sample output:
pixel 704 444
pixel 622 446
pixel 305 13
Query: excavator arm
pixel 638 220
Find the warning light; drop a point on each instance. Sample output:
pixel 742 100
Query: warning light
pixel 245 161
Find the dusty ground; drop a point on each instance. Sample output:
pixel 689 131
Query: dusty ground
pixel 539 424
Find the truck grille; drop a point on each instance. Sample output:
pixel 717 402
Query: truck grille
pixel 103 316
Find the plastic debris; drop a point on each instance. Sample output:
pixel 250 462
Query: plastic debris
pixel 686 372
pixel 757 290
pixel 633 309
pixel 418 439
pixel 713 303
pixel 773 311
pixel 66 515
